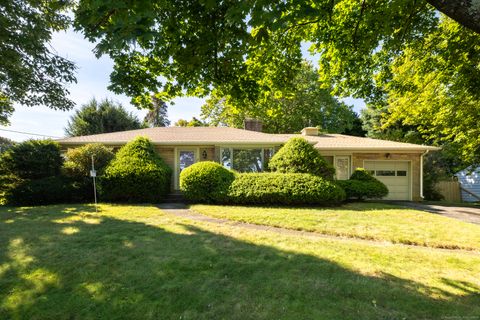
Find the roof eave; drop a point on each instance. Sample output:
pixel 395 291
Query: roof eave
pixel 389 149
pixel 173 143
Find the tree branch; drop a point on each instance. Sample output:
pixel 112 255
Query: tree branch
pixel 103 20
pixel 354 37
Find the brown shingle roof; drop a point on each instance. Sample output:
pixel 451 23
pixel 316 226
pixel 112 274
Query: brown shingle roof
pixel 344 142
pixel 225 136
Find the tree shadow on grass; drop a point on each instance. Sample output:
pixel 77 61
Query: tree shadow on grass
pixel 55 266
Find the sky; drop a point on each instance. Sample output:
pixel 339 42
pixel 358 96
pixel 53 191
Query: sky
pixel 92 82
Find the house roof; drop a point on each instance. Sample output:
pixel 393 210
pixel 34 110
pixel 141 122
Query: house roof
pixel 226 135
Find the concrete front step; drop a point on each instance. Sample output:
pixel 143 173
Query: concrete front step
pixel 174 198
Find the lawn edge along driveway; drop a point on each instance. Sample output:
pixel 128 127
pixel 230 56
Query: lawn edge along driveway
pixel 367 221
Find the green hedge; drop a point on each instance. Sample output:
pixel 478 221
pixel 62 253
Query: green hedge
pixel 50 190
pixel 299 156
pixel 206 182
pixel 30 175
pixel 136 174
pixel 283 189
pixel 32 159
pixel 362 185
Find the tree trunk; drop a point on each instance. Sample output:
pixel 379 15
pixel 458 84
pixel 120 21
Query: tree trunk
pixel 465 12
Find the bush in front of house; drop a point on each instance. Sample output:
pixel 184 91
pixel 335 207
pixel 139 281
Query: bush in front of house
pixel 283 189
pixel 136 174
pixel 77 166
pixel 49 190
pixel 30 175
pixel 299 156
pixel 206 182
pixel 78 161
pixel 362 185
pixel 32 159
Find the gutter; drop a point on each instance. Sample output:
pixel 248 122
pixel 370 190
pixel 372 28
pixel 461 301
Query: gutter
pixel 421 173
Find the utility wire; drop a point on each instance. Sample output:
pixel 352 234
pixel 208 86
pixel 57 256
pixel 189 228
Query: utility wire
pixel 29 133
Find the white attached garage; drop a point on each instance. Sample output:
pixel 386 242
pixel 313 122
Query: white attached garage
pixel 396 175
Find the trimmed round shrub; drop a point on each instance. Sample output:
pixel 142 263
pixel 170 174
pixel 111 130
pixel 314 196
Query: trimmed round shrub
pixel 299 156
pixel 362 185
pixel 283 189
pixel 362 175
pixel 206 181
pixel 136 174
pixel 78 161
pixel 32 159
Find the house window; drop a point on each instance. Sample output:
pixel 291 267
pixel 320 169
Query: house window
pixel 342 167
pixel 226 158
pixel 328 159
pixel 267 155
pixel 246 159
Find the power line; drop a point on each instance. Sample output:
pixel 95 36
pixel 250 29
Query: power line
pixel 29 133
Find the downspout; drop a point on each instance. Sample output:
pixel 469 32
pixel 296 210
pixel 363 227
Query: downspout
pixel 421 173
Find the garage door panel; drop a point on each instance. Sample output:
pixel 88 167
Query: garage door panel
pixel 397 196
pixel 398 189
pixel 395 175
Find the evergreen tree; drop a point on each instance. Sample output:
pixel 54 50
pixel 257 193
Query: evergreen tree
pixel 157 116
pixel 101 117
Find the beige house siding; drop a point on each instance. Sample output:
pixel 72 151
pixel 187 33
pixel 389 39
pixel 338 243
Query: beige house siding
pixel 167 154
pixel 210 153
pixel 414 158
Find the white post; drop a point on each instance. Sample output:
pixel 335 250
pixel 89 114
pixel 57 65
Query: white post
pixel 93 174
pixel 421 173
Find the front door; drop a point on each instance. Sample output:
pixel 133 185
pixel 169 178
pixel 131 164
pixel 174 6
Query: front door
pixel 185 158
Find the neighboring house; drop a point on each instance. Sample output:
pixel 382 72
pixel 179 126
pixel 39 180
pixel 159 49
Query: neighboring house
pixel 398 165
pixel 470 184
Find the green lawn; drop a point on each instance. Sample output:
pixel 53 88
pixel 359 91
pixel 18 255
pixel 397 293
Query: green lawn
pixel 135 262
pixel 360 220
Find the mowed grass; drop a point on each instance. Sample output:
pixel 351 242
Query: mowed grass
pixel 373 221
pixel 136 262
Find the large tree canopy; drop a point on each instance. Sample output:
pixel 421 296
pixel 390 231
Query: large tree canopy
pixel 31 73
pixel 244 46
pixel 247 47
pixel 101 117
pixel 304 104
pixel 432 95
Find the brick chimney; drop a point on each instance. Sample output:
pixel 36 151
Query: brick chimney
pixel 252 124
pixel 310 131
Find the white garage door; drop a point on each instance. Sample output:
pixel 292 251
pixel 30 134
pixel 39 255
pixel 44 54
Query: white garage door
pixel 395 175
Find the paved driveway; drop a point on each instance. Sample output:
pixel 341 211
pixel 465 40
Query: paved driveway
pixel 467 214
